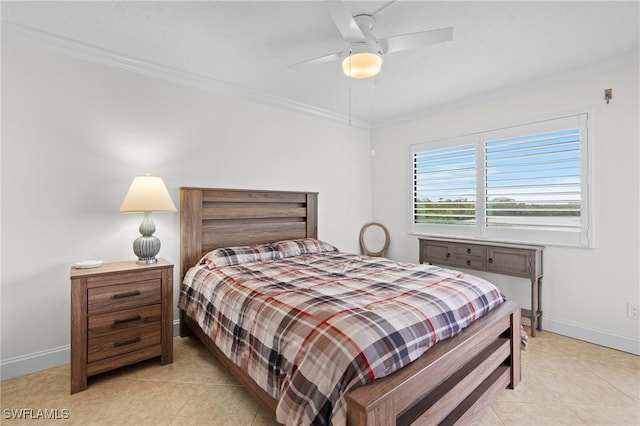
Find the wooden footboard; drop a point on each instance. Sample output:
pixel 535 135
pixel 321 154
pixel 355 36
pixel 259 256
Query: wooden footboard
pixel 452 383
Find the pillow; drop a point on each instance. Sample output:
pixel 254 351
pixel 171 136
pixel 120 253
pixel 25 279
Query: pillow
pixel 290 248
pixel 228 256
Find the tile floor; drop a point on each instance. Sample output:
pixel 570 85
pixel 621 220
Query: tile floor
pixel 565 382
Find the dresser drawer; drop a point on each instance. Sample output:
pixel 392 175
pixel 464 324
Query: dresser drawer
pixel 121 320
pixel 469 262
pixel 123 296
pixel 468 250
pixel 123 341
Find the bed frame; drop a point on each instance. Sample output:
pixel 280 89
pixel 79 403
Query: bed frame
pixel 451 383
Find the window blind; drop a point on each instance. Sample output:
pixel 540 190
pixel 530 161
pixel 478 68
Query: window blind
pixel 445 185
pixel 525 183
pixel 534 181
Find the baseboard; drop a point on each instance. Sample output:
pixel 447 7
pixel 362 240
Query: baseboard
pixel 176 328
pixel 599 337
pixel 38 361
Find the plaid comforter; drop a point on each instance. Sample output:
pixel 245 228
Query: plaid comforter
pixel 310 328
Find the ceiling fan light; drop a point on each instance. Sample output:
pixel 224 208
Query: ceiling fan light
pixel 362 65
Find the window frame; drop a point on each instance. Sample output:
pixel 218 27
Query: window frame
pixel 582 238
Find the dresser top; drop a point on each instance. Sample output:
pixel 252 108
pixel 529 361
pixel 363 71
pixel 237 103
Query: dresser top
pixel 481 242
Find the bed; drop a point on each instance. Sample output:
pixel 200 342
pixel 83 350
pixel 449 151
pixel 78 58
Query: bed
pixel 450 383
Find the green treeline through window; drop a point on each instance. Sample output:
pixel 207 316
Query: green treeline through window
pixel 459 212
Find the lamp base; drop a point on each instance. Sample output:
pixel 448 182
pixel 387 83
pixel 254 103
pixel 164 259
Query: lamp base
pixel 147 245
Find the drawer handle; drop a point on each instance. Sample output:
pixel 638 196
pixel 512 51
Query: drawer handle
pixel 491 260
pixel 126 342
pixel 120 321
pixel 468 251
pixel 468 262
pixel 127 294
pixel 448 255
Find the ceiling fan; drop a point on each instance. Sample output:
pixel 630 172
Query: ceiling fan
pixel 364 54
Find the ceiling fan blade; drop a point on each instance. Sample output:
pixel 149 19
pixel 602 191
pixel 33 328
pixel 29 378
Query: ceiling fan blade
pixel 322 59
pixel 347 26
pixel 415 40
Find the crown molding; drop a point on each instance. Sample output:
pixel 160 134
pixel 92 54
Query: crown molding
pixel 80 50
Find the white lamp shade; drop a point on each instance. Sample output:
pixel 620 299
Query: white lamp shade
pixel 362 65
pixel 147 194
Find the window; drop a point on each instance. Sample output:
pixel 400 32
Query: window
pixel 446 185
pixel 525 183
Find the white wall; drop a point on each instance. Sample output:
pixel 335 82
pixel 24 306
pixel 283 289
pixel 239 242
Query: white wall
pixel 75 133
pixel 585 291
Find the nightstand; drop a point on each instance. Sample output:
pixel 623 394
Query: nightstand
pixel 121 313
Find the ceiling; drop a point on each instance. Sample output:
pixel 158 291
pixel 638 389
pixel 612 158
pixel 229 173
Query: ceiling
pixel 246 47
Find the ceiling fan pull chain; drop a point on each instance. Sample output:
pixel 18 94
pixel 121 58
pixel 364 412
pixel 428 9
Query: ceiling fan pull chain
pixel 373 97
pixel 349 103
pixel 350 87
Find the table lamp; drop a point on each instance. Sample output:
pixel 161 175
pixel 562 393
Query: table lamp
pixel 147 194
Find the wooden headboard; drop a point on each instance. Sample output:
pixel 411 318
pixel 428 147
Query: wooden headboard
pixel 211 218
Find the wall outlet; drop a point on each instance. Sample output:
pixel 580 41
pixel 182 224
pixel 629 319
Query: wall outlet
pixel 633 311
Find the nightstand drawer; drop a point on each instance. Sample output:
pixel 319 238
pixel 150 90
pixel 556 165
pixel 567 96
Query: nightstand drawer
pixel 123 296
pixel 122 320
pixel 123 341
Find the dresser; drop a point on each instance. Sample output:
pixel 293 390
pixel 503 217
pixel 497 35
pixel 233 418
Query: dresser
pixel 121 313
pixel 516 260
